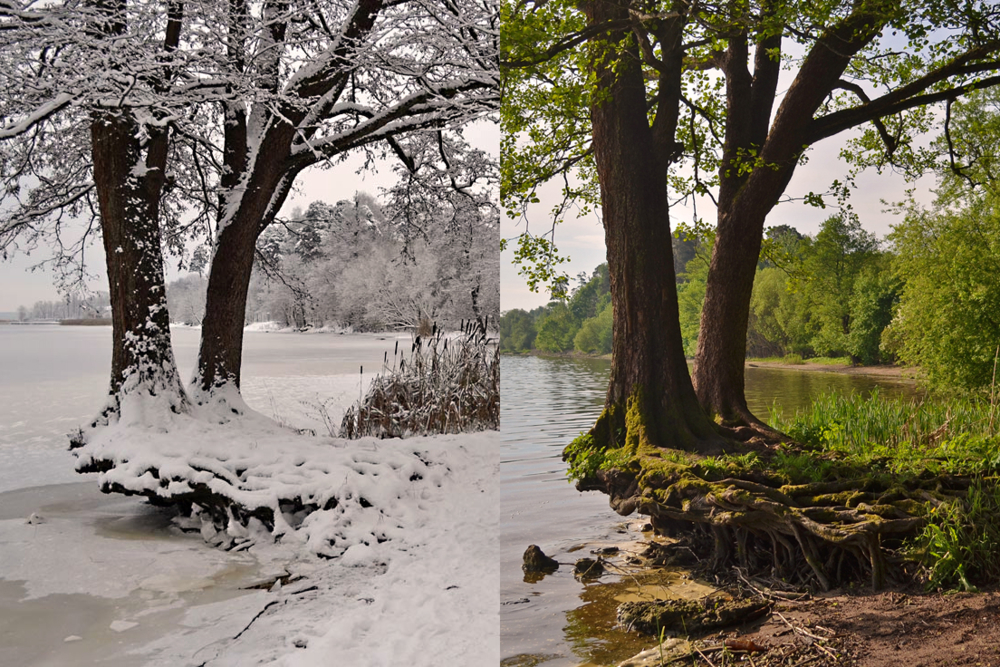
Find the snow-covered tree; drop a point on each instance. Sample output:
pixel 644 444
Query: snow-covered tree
pixel 186 299
pixel 152 121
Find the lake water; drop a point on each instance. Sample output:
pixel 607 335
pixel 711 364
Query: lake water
pixel 53 379
pixel 545 403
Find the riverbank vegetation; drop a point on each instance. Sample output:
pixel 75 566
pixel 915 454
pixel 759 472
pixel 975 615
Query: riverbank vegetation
pixel 925 296
pixel 433 390
pixel 886 491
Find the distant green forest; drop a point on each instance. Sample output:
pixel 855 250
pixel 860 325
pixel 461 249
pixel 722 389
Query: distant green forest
pixel 927 295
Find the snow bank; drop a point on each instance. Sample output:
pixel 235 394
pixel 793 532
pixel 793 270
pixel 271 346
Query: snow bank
pixel 405 531
pixel 249 476
pixel 266 326
pixel 429 597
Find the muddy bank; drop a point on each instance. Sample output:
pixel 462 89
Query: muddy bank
pixel 887 371
pixel 889 629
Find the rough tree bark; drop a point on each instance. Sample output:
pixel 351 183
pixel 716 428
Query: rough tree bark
pixel 221 352
pixel 746 198
pixel 259 180
pixel 129 186
pixel 650 398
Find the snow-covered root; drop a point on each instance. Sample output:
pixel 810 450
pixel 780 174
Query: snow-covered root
pixel 250 479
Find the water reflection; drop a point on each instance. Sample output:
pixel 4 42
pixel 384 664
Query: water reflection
pixel 545 403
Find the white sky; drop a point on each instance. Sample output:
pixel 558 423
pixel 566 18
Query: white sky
pixel 19 285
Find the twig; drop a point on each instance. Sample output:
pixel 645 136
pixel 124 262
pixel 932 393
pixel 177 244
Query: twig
pixel 808 634
pixel 704 657
pixel 768 592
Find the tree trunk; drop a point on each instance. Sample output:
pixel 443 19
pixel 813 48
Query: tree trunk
pixel 745 200
pixel 221 353
pixel 650 398
pixel 142 358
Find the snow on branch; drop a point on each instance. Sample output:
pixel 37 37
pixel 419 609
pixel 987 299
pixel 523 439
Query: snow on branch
pixel 236 89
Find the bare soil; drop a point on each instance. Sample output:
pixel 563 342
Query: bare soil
pixel 882 370
pixel 910 629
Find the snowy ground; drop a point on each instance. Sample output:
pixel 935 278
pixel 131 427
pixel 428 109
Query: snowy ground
pixel 95 579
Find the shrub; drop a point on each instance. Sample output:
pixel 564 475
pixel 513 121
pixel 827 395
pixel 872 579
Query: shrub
pixel 447 385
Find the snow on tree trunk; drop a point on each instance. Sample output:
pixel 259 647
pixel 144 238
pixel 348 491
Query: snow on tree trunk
pixel 142 359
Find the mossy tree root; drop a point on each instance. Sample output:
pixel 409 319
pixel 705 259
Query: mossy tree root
pixel 824 533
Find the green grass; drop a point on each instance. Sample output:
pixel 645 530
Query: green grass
pixel 960 436
pixel 961 542
pixel 899 440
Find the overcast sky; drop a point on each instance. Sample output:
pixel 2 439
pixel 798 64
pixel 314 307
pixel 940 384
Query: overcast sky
pixel 19 285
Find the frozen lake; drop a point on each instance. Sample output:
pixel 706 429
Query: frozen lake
pixel 54 379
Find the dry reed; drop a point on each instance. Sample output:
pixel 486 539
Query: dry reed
pixel 447 385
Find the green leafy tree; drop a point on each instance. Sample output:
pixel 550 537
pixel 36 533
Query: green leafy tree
pixel 876 293
pixel 595 334
pixel 585 301
pixel 517 331
pixel 948 319
pixel 568 70
pixel 556 329
pixel 690 296
pixel 830 267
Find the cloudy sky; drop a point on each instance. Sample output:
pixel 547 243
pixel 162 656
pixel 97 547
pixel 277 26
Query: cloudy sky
pixel 20 285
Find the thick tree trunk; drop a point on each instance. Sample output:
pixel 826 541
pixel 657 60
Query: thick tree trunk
pixel 745 200
pixel 650 398
pixel 722 340
pixel 221 354
pixel 142 359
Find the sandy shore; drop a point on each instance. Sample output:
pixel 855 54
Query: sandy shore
pixel 883 370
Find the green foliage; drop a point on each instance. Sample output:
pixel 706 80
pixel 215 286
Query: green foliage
pixel 595 335
pixel 899 436
pixel 830 267
pixel 781 319
pixel 948 319
pixel 876 293
pixel 583 321
pixel 517 331
pixel 556 329
pixel 585 457
pixel 961 542
pixel 691 295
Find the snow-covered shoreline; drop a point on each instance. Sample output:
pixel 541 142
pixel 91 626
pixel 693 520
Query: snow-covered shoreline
pixel 429 596
pixel 110 570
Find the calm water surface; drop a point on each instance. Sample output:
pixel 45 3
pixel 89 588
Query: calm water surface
pixel 545 403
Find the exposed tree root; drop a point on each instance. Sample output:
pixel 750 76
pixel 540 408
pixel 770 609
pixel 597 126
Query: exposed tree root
pixel 822 534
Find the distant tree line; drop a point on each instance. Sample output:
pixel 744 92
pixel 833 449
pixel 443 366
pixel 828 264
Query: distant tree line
pixel 73 307
pixel 926 296
pixel 351 265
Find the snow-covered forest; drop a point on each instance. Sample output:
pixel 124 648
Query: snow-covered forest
pixel 359 264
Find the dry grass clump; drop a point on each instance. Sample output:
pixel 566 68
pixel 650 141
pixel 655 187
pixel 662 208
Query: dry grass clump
pixel 447 385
